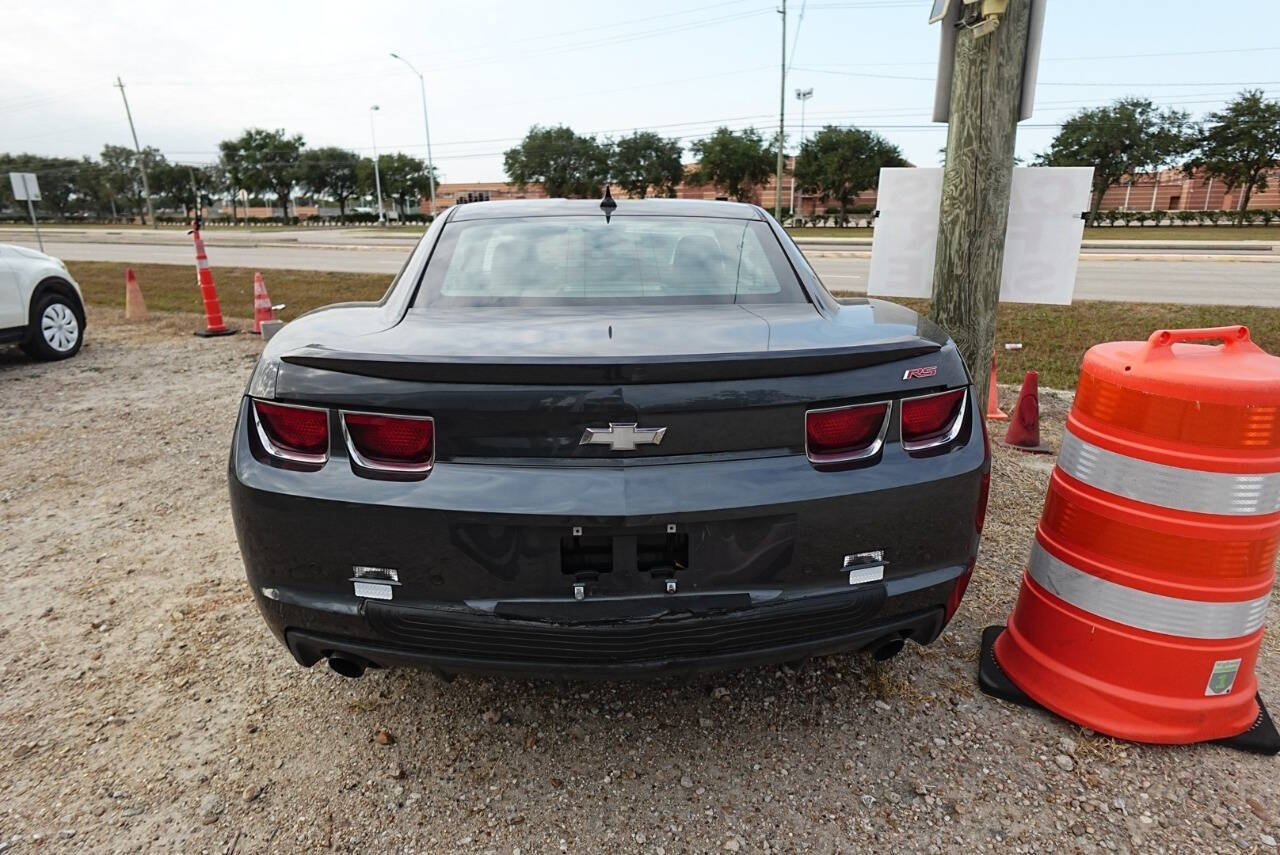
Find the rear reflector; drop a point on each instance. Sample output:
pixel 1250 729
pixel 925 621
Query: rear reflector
pixel 390 443
pixel 931 420
pixel 845 433
pixel 289 432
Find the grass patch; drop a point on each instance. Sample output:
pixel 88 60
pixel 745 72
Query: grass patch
pixel 1182 233
pixel 829 231
pixel 1157 233
pixel 173 288
pixel 1054 338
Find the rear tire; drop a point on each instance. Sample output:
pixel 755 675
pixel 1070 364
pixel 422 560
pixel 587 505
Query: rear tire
pixel 56 330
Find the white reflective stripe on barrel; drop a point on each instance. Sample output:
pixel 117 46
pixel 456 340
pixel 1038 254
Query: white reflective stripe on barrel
pixel 1142 609
pixel 1225 493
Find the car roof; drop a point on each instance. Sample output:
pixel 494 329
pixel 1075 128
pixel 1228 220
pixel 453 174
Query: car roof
pixel 590 207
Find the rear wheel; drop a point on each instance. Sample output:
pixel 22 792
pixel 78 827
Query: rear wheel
pixel 57 328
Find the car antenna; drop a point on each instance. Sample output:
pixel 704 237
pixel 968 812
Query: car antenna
pixel 607 204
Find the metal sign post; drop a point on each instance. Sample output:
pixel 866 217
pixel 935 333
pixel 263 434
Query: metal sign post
pixel 25 186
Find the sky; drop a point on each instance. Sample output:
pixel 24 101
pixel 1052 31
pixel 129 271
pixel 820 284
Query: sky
pixel 199 73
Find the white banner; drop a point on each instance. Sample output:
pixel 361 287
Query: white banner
pixel 1042 241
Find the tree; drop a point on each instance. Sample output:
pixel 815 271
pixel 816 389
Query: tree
pixel 403 177
pixel 1120 140
pixel 840 163
pixel 1240 143
pixel 93 188
pixel 738 162
pixel 179 185
pixel 120 171
pixel 231 161
pixel 645 161
pixel 56 176
pixel 267 161
pixel 566 164
pixel 333 173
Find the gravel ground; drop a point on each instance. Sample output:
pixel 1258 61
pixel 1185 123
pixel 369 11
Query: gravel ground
pixel 144 706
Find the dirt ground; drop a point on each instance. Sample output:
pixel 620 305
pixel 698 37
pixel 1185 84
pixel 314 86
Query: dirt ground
pixel 145 707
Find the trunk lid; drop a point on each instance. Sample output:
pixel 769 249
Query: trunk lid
pixel 527 383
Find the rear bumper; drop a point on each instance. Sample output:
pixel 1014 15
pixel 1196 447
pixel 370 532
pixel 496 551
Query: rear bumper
pixel 496 646
pixel 484 586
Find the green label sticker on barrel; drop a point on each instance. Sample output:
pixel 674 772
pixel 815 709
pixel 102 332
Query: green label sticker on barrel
pixel 1222 677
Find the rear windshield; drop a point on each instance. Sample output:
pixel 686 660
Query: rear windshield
pixel 576 260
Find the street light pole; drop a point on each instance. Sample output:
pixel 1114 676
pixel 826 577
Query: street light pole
pixel 782 114
pixel 803 95
pixel 426 126
pixel 377 176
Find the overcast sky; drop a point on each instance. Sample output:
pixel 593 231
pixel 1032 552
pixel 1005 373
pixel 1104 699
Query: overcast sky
pixel 197 74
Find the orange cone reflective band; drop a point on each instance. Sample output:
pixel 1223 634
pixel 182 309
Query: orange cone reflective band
pixel 1142 605
pixel 994 413
pixel 1024 427
pixel 135 308
pixel 262 310
pixel 208 293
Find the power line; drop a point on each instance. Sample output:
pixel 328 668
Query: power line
pixel 1111 83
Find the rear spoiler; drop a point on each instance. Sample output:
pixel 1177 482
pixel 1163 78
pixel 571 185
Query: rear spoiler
pixel 647 369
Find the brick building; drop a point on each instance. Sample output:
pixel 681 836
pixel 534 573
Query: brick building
pixel 1171 190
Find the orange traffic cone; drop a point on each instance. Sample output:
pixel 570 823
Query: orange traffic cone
pixel 1024 428
pixel 135 309
pixel 212 311
pixel 1144 598
pixel 262 309
pixel 994 413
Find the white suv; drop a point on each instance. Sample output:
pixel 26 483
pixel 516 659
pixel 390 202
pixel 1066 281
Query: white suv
pixel 41 307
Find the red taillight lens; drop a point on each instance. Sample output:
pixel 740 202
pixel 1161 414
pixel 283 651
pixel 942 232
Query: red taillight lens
pixel 845 433
pixel 930 418
pixel 300 433
pixel 391 442
pixel 957 594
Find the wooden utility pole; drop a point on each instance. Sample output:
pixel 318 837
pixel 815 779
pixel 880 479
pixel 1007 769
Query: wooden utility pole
pixel 986 90
pixel 142 161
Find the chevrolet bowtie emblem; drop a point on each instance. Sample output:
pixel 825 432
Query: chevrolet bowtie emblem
pixel 622 437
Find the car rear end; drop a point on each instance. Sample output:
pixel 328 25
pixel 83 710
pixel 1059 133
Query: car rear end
pixel 573 491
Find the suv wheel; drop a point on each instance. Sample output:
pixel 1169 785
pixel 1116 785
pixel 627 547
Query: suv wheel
pixel 57 329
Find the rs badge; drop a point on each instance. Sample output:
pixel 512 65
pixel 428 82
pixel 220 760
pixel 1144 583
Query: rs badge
pixel 920 373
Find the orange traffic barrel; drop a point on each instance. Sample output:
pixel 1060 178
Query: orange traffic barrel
pixel 1142 605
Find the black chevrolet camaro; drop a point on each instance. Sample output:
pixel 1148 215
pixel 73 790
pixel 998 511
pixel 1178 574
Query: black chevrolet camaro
pixel 578 439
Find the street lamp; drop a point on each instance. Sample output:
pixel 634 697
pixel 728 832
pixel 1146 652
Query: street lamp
pixel 426 126
pixel 803 95
pixel 377 176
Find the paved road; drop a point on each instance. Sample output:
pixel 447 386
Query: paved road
pixel 371 260
pixel 1224 283
pixel 1248 283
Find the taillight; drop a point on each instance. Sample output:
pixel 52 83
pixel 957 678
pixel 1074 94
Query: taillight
pixel 843 434
pixel 984 491
pixel 957 594
pixel 980 518
pixel 395 444
pixel 290 432
pixel 932 420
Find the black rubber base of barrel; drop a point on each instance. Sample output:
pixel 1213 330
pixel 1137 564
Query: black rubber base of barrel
pixel 1262 738
pixel 216 333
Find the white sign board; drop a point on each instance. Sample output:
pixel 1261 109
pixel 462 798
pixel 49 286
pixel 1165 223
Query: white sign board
pixel 25 183
pixel 906 233
pixel 1042 241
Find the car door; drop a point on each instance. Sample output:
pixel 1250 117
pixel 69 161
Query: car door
pixel 13 309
